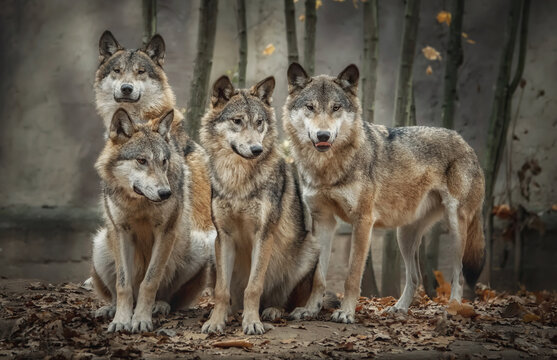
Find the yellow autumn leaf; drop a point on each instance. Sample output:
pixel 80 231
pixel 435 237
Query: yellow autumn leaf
pixel 318 4
pixel 302 17
pixel 444 17
pixel 295 1
pixel 429 70
pixel 269 49
pixel 431 54
pixel 465 35
pixel 554 207
pixel 470 41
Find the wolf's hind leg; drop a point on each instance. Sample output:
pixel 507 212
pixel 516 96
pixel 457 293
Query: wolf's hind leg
pixel 103 275
pixel 457 233
pixel 408 242
pixel 314 302
pixel 409 238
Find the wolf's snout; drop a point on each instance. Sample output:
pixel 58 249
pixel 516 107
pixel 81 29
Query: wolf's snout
pixel 164 194
pixel 323 135
pixel 126 89
pixel 256 150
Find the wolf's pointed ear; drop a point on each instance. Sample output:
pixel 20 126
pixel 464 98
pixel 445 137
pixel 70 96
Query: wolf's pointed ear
pixel 121 127
pixel 222 91
pixel 156 49
pixel 348 78
pixel 264 90
pixel 107 45
pixel 297 77
pixel 165 123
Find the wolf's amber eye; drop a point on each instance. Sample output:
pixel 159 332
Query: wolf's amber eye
pixel 309 107
pixel 142 161
pixel 237 121
pixel 141 71
pixel 336 108
pixel 117 71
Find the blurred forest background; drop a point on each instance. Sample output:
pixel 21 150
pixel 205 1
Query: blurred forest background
pixel 485 68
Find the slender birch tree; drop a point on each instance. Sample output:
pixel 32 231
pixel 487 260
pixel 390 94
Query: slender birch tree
pixel 202 68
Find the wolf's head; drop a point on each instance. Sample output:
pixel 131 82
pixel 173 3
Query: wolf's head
pixel 136 158
pixel 131 79
pixel 240 121
pixel 321 110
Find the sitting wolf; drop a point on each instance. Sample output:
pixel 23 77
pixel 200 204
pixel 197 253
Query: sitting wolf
pixel 265 255
pixel 146 253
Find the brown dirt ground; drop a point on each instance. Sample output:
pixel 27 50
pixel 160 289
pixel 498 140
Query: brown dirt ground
pixel 39 320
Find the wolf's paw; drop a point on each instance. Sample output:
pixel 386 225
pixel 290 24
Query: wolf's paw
pixel 253 328
pixel 106 312
pixel 271 314
pixel 142 325
pixel 212 326
pixel 342 316
pixel 116 326
pixel 303 313
pixel 393 310
pixel 161 307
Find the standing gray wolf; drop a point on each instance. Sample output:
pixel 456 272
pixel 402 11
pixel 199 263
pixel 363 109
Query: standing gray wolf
pixel 135 81
pixel 372 176
pixel 265 256
pixel 146 252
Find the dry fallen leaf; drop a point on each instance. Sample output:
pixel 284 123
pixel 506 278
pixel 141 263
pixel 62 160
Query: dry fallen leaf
pixel 318 4
pixel 269 50
pixel 244 344
pixel 444 289
pixel 287 341
pixel 429 70
pixel 503 211
pixel 465 35
pixel 529 317
pixel 444 17
pixel 554 207
pixel 470 41
pixel 302 17
pixel 464 310
pixel 431 54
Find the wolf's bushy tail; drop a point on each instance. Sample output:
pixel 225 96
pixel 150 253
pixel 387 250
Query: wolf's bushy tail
pixel 474 252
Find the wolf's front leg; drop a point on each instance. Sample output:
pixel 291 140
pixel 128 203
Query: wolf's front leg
pixel 260 257
pixel 162 247
pixel 124 292
pixel 225 253
pixel 358 256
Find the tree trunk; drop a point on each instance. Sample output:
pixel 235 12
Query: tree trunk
pixel 500 116
pixel 309 38
pixel 391 254
pixel 243 40
pixel 408 49
pixel 203 63
pixel 149 20
pixel 369 78
pixel 453 62
pixel 291 40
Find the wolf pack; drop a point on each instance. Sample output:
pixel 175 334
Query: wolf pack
pixel 230 214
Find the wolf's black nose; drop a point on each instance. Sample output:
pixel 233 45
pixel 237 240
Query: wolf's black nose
pixel 323 135
pixel 164 194
pixel 256 150
pixel 126 89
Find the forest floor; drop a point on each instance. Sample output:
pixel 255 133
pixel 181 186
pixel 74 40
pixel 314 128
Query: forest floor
pixel 40 320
